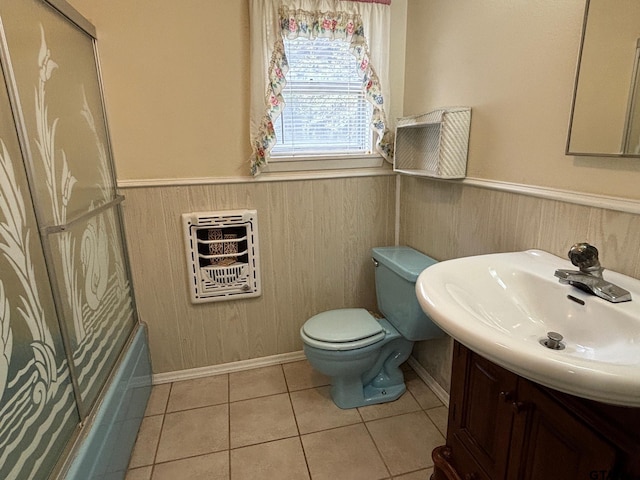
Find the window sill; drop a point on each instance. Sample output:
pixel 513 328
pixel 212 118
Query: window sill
pixel 325 162
pixel 283 176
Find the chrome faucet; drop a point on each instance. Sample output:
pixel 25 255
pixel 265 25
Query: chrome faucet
pixel 589 278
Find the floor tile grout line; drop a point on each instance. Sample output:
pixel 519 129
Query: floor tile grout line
pixel 304 454
pixel 373 440
pixel 189 457
pixel 151 465
pixel 293 411
pixel 164 416
pixel 299 434
pixel 331 428
pixel 201 407
pixel 295 419
pixel 259 396
pixel 380 452
pixel 309 388
pixel 444 434
pixel 263 442
pixel 284 375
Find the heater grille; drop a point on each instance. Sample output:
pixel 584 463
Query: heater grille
pixel 222 255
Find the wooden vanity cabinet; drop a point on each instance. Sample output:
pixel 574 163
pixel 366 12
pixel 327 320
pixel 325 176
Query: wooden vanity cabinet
pixel 505 427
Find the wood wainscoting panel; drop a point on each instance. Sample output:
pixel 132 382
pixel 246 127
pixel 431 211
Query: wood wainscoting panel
pixel 315 238
pixel 450 220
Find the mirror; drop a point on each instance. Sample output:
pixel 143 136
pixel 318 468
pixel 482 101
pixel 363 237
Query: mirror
pixel 605 116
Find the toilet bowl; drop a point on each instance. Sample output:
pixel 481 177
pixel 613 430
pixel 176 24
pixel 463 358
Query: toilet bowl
pixel 361 353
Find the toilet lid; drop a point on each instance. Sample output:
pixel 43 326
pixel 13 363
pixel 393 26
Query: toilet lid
pixel 344 326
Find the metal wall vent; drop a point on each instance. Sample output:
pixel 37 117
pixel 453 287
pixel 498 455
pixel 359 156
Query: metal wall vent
pixel 222 255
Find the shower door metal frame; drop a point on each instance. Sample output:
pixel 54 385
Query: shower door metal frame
pixel 71 14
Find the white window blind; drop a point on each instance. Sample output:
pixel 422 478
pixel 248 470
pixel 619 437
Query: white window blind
pixel 325 111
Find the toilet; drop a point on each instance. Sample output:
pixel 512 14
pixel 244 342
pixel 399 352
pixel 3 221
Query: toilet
pixel 361 353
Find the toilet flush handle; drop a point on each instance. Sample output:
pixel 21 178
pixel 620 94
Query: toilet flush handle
pixel 375 262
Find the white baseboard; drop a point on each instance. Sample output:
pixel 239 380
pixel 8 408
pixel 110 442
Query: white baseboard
pixel 241 365
pixel 440 392
pixel 168 377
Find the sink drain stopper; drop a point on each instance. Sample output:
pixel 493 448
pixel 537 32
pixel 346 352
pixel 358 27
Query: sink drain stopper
pixel 553 341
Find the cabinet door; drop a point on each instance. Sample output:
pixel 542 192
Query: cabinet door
pixel 481 415
pixel 555 445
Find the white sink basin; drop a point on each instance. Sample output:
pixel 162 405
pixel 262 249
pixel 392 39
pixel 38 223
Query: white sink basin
pixel 502 305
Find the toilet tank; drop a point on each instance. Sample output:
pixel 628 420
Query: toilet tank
pixel 397 269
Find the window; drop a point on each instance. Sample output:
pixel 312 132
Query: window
pixel 316 97
pixel 325 112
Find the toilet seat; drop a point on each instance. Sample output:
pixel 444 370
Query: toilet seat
pixel 342 329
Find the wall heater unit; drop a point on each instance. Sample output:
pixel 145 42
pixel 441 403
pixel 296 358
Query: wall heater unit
pixel 222 255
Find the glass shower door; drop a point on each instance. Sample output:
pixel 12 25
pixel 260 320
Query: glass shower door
pixel 65 143
pixel 37 407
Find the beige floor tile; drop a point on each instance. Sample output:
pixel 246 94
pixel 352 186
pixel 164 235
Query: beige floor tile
pixel 343 453
pixel 301 375
pixel 258 382
pixel 405 404
pixel 282 460
pixel 406 441
pixel 190 425
pixel 194 432
pixel 158 400
pixel 421 392
pixel 199 392
pixel 214 466
pixel 142 473
pixel 406 369
pixel 261 420
pixel 439 416
pixel 419 475
pixel 315 410
pixel 144 451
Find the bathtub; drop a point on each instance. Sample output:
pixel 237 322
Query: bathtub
pixel 103 448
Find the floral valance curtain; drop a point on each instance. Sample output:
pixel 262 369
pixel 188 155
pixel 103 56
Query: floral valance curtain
pixel 365 25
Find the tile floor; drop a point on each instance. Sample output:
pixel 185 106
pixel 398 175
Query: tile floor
pixel 279 422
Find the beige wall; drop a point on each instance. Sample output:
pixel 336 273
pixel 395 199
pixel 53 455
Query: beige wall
pixel 176 90
pixel 176 80
pixel 513 62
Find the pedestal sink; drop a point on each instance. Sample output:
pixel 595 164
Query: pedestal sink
pixel 503 306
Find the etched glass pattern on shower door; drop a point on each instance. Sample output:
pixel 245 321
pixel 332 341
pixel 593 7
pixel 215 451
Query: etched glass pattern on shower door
pixel 55 71
pixel 37 407
pixel 59 92
pixel 104 307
